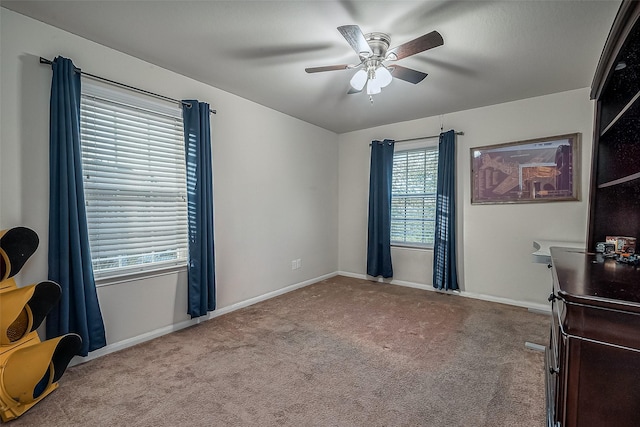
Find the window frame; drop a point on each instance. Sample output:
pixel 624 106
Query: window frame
pixel 421 144
pixel 143 103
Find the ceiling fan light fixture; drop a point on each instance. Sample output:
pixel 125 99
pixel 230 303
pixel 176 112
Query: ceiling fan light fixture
pixel 373 87
pixel 383 77
pixel 358 80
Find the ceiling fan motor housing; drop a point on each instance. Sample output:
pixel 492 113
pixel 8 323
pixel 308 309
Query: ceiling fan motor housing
pixel 379 43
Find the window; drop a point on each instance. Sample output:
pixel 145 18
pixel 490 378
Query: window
pixel 134 181
pixel 413 196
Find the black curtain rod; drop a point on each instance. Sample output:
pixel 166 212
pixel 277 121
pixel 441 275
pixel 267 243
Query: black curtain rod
pixel 422 137
pixel 146 92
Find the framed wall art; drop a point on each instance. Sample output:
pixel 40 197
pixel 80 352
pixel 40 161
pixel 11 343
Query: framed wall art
pixel 535 170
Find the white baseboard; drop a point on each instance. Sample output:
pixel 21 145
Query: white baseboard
pixel 532 306
pixel 129 342
pixel 268 295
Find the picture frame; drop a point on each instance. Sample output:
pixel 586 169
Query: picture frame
pixel 530 171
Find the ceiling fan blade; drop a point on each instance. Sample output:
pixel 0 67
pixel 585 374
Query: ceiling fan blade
pixel 351 91
pixel 354 36
pixel 407 74
pixel 268 52
pixel 422 43
pixel 328 68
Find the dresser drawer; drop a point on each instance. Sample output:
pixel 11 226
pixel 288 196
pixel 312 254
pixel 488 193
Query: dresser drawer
pixel 604 325
pixel 603 385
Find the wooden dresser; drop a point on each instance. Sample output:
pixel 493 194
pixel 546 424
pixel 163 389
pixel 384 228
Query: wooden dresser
pixel 593 359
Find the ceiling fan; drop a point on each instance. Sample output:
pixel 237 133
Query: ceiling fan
pixel 373 51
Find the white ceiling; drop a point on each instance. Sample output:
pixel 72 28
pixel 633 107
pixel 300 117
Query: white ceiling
pixel 493 52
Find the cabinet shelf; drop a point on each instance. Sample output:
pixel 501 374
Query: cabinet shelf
pixel 619 181
pixel 621 113
pixel 618 151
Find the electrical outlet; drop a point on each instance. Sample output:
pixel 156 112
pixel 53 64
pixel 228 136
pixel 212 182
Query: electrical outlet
pixel 294 264
pixel 298 263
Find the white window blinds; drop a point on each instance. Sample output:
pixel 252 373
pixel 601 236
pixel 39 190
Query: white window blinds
pixel 134 181
pixel 413 196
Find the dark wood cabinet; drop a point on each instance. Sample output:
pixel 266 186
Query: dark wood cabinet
pixel 615 179
pixel 593 358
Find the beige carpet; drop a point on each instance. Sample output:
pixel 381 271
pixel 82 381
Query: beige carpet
pixel 342 352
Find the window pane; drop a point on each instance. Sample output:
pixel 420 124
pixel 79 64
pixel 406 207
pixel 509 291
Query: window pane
pixel 134 181
pixel 413 196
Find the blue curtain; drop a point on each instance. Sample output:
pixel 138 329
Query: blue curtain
pixel 445 274
pixel 69 253
pixel 202 281
pixel 379 236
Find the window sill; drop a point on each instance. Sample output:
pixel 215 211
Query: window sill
pixel 139 275
pixel 412 247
